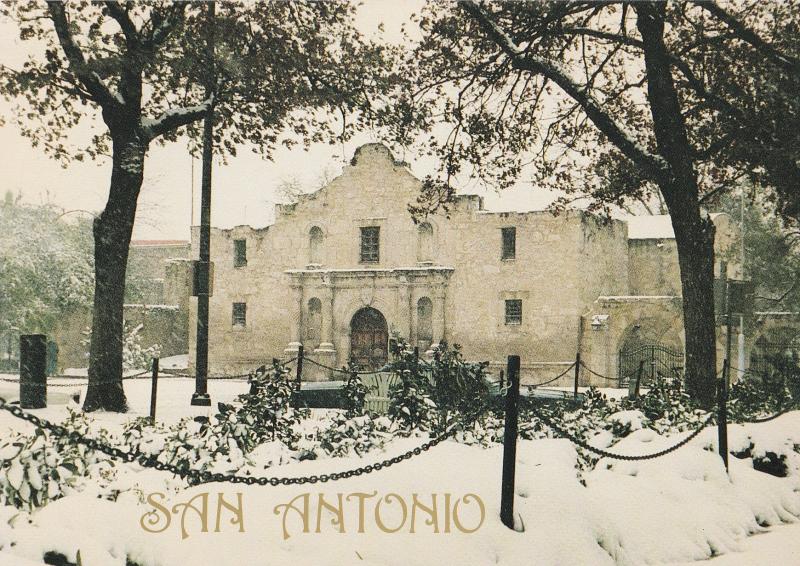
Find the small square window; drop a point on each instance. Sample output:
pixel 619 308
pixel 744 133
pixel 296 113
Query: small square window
pixel 370 244
pixel 514 311
pixel 239 314
pixel 239 253
pixel 509 243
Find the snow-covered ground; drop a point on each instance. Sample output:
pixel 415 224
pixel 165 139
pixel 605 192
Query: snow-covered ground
pixel 677 509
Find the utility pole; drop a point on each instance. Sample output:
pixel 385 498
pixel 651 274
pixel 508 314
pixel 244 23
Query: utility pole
pixel 200 396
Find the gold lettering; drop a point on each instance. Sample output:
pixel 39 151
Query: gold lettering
pixel 337 519
pixel 466 499
pixel 431 511
pixel 361 497
pixel 202 512
pixel 150 520
pixel 238 510
pixel 447 512
pixel 388 499
pixel 290 507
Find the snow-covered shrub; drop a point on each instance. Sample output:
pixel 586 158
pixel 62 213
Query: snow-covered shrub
pixel 346 436
pixel 410 399
pixel 39 468
pixel 458 386
pixel 263 414
pixel 763 394
pixel 134 355
pixel 355 393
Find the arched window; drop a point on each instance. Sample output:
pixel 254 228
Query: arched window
pixel 425 242
pixel 424 323
pixel 315 245
pixel 314 322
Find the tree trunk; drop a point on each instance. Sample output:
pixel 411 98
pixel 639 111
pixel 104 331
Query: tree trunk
pixel 694 231
pixel 112 237
pixel 694 236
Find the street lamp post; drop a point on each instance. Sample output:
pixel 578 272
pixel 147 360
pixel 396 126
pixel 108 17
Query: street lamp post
pixel 200 396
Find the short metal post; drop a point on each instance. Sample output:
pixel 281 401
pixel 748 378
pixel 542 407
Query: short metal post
pixel 510 443
pixel 577 374
pixel 638 379
pixel 298 375
pixel 722 418
pixel 32 371
pixel 154 390
pixel 502 379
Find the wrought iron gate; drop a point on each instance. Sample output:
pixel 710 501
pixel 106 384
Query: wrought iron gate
pixel 655 360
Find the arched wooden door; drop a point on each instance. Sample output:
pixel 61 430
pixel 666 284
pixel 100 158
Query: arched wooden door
pixel 369 339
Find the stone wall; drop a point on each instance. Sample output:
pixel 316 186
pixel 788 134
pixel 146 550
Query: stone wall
pixel 462 274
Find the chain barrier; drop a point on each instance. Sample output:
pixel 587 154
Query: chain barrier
pixel 556 378
pixel 760 420
pixel 384 369
pixel 600 375
pixel 195 477
pixel 143 375
pixel 605 454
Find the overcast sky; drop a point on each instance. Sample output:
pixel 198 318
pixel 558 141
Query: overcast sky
pixel 244 190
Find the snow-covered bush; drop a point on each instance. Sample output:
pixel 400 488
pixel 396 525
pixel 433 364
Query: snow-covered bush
pixel 764 394
pixel 39 468
pixel 134 355
pixel 346 436
pixel 355 392
pixel 458 386
pixel 410 399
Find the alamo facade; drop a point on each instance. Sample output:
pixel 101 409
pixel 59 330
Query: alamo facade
pixel 344 270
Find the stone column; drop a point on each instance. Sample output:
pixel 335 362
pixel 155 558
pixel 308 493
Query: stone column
pixel 297 331
pixel 438 298
pixel 326 337
pixel 326 352
pixel 405 311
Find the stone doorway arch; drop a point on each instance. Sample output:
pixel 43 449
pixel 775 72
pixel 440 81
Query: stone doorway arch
pixel 369 339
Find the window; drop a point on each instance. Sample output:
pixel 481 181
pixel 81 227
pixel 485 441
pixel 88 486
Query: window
pixel 509 243
pixel 370 244
pixel 514 311
pixel 425 242
pixel 239 253
pixel 315 245
pixel 240 314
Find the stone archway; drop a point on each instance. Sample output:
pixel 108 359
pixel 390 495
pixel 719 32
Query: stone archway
pixel 369 338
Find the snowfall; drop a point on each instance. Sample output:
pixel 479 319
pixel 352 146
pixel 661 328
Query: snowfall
pixel 678 509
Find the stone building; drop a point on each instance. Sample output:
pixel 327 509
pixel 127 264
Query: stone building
pixel 157 301
pixel 345 269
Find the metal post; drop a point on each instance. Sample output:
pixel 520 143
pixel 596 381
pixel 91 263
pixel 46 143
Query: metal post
pixel 299 376
pixel 502 377
pixel 510 443
pixel 577 373
pixel 154 390
pixel 32 375
pixel 200 396
pixel 722 418
pixel 638 379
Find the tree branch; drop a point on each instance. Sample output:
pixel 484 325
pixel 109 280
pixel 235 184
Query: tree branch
pixel 162 27
pixel 653 166
pixel 125 23
pixel 175 118
pixel 783 60
pixel 77 62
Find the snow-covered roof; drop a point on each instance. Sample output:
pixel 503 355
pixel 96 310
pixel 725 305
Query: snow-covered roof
pixel 655 227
